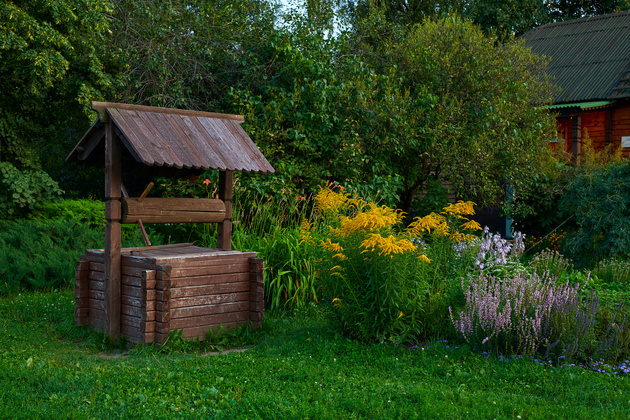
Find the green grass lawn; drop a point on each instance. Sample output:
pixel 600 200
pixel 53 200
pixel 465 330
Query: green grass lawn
pixel 296 367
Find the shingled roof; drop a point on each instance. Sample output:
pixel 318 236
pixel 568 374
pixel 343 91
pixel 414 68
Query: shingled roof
pixel 590 57
pixel 173 138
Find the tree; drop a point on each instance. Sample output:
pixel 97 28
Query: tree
pixel 187 54
pixel 515 17
pixel 53 61
pixel 437 102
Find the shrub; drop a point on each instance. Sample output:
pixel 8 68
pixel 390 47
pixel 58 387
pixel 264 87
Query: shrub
pixel 20 191
pixel 385 283
pixel 40 253
pixel 600 201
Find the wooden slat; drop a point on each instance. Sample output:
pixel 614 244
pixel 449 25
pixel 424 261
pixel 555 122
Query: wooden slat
pixel 101 107
pixel 194 155
pixel 131 291
pixel 96 285
pixel 208 270
pixel 164 136
pixel 197 136
pixel 138 129
pixel 130 311
pixel 93 294
pixel 133 138
pixel 156 205
pixel 209 280
pixel 215 289
pixel 208 300
pixel 175 217
pixel 184 323
pixel 199 311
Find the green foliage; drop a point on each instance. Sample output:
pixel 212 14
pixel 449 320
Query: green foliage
pixel 53 61
pixel 22 190
pixel 41 255
pixel 550 261
pixel 599 200
pixel 187 54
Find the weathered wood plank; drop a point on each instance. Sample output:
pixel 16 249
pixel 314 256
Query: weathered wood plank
pixel 198 311
pixel 209 300
pixel 198 321
pixel 215 289
pixel 175 217
pixel 241 267
pixel 96 285
pixel 209 280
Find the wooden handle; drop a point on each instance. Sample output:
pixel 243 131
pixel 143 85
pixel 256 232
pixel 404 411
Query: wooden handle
pixel 146 191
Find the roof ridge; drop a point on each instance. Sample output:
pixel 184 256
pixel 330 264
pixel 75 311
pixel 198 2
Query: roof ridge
pixel 583 19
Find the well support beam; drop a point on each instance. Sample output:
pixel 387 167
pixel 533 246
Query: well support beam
pixel 226 193
pixel 113 262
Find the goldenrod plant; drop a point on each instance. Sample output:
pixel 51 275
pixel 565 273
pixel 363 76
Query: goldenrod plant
pixel 383 280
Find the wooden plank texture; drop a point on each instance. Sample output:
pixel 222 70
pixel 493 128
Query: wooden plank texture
pixel 208 300
pixel 198 321
pixel 214 289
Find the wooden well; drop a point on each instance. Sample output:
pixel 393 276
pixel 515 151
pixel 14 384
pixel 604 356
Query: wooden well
pixel 187 288
pixel 145 293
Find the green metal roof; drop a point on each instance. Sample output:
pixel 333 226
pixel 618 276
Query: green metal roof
pixel 590 57
pixel 581 105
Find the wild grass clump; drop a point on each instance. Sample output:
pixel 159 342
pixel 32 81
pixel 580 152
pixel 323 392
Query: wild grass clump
pixel 550 261
pixel 272 229
pixel 385 283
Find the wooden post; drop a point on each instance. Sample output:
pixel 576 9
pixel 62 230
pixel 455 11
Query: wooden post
pixel 226 191
pixel 81 293
pixel 113 261
pixel 576 138
pixel 256 291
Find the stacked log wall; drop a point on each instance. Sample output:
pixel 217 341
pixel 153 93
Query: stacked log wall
pixel 194 294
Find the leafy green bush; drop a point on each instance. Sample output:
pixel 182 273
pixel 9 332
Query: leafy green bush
pixel 20 191
pixel 600 201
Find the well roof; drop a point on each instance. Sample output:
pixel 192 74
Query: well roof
pixel 590 57
pixel 172 138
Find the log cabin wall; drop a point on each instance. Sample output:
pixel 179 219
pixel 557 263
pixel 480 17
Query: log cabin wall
pixel 621 126
pixel 604 127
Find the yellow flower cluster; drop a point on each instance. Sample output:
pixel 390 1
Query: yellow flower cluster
pixel 432 222
pixel 460 208
pixel 387 245
pixel 373 219
pixel 438 223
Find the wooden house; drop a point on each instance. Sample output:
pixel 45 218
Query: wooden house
pixel 590 63
pixel 145 293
